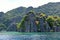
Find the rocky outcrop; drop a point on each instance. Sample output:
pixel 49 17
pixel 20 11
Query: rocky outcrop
pixel 34 24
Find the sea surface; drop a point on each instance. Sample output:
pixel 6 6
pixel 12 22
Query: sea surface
pixel 29 36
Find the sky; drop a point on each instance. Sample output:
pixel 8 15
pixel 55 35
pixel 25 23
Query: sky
pixel 6 5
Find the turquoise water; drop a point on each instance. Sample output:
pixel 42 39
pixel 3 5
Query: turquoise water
pixel 30 36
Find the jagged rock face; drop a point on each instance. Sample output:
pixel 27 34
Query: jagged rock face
pixel 47 27
pixel 32 23
pixel 43 25
pixel 29 24
pixel 57 29
pixel 42 29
